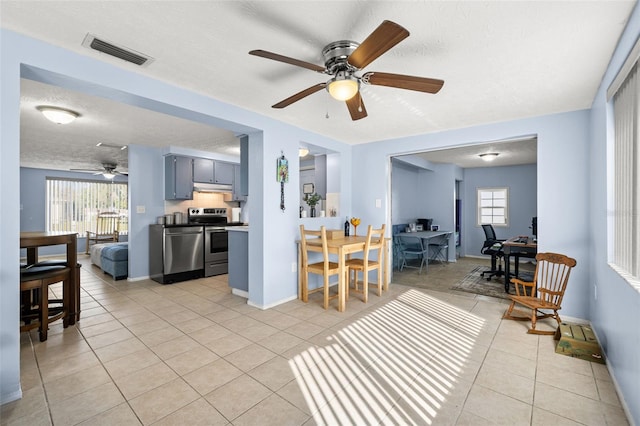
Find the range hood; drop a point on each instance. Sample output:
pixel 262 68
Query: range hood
pixel 211 187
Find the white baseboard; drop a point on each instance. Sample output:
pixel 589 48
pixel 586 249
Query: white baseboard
pixel 240 293
pixel 146 277
pixel 11 396
pixel 625 406
pixel 271 305
pixel 575 320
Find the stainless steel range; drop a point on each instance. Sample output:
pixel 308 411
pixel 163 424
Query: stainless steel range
pixel 216 246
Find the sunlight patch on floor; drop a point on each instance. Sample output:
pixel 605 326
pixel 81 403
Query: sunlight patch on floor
pixel 398 363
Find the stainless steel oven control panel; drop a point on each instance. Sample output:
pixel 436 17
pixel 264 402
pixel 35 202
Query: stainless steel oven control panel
pixel 207 211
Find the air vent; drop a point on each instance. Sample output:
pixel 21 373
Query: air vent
pixel 111 49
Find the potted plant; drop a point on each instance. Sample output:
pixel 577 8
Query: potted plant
pixel 312 200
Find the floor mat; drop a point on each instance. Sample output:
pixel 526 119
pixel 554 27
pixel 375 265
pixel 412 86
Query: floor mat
pixel 474 283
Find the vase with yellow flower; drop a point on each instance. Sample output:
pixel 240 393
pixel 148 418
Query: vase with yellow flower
pixel 355 221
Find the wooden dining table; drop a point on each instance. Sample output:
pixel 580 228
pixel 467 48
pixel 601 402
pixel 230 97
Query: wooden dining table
pixel 344 247
pixel 33 240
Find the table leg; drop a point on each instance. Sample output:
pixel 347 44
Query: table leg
pixel 342 282
pixel 32 255
pixel 386 265
pixel 301 294
pixel 74 284
pixel 506 272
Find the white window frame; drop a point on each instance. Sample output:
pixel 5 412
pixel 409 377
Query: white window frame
pixel 72 205
pixel 624 200
pixel 488 198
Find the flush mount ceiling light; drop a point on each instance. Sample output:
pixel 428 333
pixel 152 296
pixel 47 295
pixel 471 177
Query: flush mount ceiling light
pixel 302 152
pixel 58 115
pixel 107 145
pixel 343 86
pixel 489 156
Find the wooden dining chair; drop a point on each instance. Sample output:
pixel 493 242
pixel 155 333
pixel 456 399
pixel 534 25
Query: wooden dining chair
pixel 544 293
pixel 374 241
pixel 106 229
pixel 325 268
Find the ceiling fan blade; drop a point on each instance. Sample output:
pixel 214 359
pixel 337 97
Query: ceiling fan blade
pixel 420 84
pixel 87 170
pixel 287 60
pixel 356 107
pixel 300 95
pixel 383 38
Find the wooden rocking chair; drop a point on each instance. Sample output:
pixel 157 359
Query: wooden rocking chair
pixel 545 292
pixel 106 229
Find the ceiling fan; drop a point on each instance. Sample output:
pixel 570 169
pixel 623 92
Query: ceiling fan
pixel 345 58
pixel 108 171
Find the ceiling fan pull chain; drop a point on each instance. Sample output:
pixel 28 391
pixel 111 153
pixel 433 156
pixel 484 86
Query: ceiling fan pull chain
pixel 326 104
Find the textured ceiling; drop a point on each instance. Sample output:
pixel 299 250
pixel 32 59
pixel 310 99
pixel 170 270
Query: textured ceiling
pixel 500 60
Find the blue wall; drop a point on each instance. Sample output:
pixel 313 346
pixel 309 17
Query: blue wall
pixel 522 184
pixel 405 184
pixel 562 217
pixel 33 202
pixel 614 305
pixel 419 193
pixel 146 189
pixel 439 187
pixel 272 253
pixel 572 150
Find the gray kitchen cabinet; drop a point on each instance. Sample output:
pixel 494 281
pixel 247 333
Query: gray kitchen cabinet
pixel 321 175
pixel 244 165
pixel 178 178
pixel 203 170
pixel 223 172
pixel 239 260
pixel 237 184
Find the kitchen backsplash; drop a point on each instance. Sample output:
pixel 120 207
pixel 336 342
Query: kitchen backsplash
pixel 200 199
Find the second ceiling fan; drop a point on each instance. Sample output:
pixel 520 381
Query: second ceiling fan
pixel 108 170
pixel 344 58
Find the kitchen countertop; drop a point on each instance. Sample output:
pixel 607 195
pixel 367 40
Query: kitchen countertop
pixel 244 228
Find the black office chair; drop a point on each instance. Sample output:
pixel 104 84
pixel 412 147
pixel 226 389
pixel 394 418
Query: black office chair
pixel 493 247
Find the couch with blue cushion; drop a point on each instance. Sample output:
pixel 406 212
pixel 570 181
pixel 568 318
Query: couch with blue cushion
pixel 112 258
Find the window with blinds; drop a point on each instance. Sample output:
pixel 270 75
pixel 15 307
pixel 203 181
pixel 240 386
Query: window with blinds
pixel 73 205
pixel 492 206
pixel 626 199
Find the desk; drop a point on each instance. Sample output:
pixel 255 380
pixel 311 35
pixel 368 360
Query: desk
pixel 32 240
pixel 344 247
pixel 517 248
pixel 426 235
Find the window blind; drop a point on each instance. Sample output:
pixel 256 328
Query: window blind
pixel 72 205
pixel 626 244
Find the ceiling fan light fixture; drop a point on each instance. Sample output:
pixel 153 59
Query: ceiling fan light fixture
pixel 303 152
pixel 58 115
pixel 489 156
pixel 108 175
pixel 343 86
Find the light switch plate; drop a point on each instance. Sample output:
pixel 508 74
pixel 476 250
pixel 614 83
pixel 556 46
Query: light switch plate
pixel 378 203
pixel 140 209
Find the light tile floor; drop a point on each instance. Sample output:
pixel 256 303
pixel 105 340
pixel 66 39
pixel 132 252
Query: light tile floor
pixel 193 354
